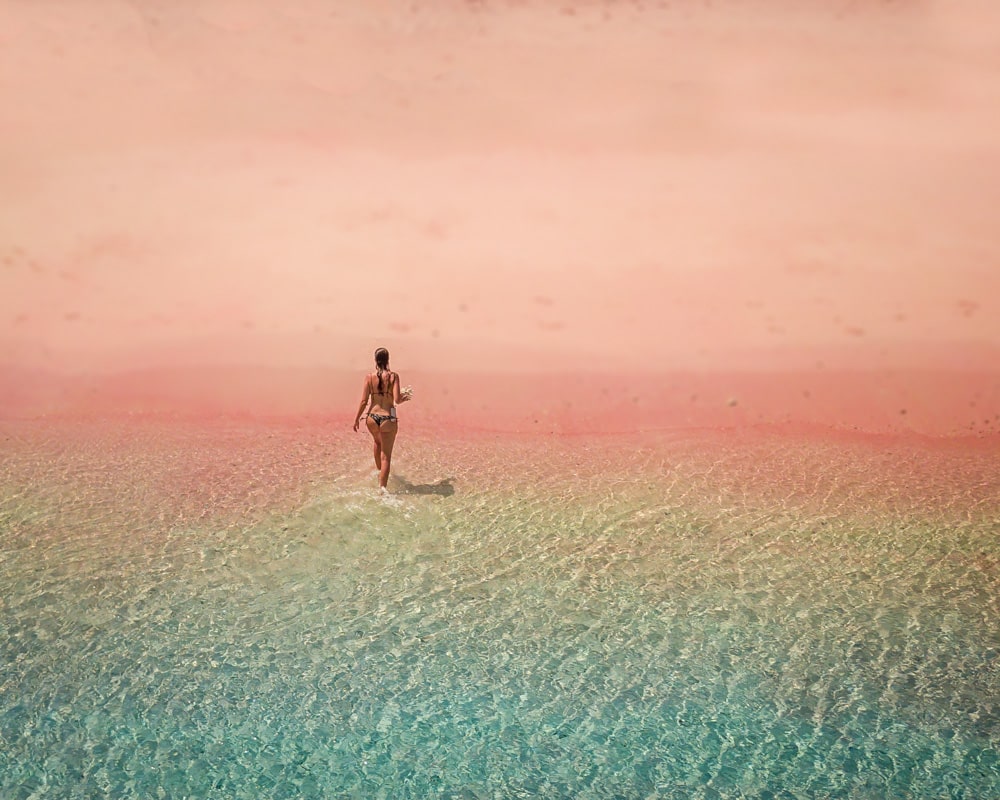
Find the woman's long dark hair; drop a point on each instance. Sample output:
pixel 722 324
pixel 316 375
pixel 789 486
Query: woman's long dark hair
pixel 381 364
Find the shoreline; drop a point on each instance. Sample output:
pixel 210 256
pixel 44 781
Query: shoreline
pixel 931 405
pixel 241 467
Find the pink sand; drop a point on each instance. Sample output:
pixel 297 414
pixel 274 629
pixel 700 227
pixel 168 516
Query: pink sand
pixel 689 215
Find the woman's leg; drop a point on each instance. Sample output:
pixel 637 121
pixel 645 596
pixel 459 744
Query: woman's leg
pixel 388 437
pixel 377 442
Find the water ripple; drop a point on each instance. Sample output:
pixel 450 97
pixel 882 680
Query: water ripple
pixel 237 612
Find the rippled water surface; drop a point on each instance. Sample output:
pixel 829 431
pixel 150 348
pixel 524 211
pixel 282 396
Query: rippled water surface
pixel 233 611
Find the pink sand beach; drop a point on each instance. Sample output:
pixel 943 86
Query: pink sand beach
pixel 594 217
pixel 699 491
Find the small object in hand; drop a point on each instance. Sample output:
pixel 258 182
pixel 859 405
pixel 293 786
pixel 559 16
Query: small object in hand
pixel 407 392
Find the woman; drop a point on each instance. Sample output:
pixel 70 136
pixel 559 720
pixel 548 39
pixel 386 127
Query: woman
pixel 382 388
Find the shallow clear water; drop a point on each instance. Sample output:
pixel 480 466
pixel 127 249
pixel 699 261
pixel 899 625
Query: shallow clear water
pixel 234 612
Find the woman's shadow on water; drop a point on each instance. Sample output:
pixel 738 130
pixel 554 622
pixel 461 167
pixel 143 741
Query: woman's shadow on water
pixel 402 486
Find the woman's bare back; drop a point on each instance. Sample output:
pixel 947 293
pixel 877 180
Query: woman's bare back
pixel 382 401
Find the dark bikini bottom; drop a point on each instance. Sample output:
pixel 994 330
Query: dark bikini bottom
pixel 380 418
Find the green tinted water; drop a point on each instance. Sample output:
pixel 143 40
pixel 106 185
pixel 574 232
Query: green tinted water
pixel 239 614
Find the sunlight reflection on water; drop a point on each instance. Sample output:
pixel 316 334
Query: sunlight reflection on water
pixel 238 612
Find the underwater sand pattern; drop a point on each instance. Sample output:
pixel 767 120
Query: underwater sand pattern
pixel 233 610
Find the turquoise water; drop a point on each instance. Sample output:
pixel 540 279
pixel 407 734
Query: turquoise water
pixel 236 613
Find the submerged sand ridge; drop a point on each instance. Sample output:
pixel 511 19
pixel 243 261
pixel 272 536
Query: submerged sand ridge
pixel 234 472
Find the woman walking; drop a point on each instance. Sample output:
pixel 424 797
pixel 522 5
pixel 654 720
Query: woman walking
pixel 381 392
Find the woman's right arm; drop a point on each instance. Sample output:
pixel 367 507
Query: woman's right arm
pixel 397 393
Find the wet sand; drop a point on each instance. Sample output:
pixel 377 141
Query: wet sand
pixel 935 403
